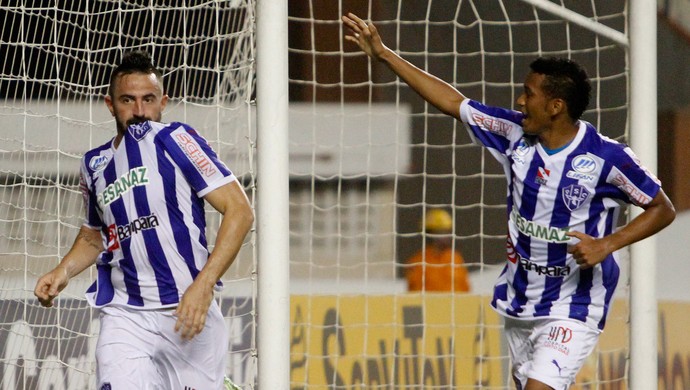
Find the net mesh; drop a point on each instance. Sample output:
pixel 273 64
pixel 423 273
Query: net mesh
pixel 374 157
pixel 367 158
pixel 57 59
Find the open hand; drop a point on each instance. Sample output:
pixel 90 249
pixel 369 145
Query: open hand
pixel 364 35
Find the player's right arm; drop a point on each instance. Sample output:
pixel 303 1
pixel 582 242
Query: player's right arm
pixel 84 252
pixel 434 90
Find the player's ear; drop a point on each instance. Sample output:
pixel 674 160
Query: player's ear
pixel 164 102
pixel 557 106
pixel 109 104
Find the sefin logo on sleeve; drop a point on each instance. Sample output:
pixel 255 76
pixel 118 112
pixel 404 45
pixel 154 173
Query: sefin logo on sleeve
pixel 139 130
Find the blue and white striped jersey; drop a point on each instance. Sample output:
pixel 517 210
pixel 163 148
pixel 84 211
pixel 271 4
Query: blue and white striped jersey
pixel 579 188
pixel 145 197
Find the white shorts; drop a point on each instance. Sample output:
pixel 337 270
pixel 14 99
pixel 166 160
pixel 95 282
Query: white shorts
pixel 140 349
pixel 548 350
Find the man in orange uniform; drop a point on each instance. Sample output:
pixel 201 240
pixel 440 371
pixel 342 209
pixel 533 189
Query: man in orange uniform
pixel 438 266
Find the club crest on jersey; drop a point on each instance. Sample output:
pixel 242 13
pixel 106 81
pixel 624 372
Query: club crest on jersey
pixel 98 162
pixel 139 130
pixel 574 196
pixel 542 175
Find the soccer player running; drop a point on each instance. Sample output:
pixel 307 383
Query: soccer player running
pixel 566 183
pixel 144 193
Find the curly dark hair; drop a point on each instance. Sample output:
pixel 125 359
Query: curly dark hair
pixel 134 62
pixel 565 79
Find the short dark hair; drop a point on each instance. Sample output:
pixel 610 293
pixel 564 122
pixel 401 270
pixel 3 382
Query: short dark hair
pixel 565 79
pixel 134 62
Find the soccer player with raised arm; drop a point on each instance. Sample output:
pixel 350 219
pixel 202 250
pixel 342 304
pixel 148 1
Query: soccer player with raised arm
pixel 144 193
pixel 566 184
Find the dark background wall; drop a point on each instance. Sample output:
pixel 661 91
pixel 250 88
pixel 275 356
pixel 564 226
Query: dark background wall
pixel 443 165
pixel 674 111
pixel 495 58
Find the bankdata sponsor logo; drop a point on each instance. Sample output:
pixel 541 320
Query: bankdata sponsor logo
pixel 117 234
pixel 133 178
pixel 200 160
pixel 538 231
pixel 552 271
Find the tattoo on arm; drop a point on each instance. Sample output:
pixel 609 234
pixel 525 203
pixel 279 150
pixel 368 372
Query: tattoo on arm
pixel 82 236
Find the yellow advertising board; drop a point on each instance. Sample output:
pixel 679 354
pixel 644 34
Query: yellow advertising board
pixel 449 341
pixel 364 341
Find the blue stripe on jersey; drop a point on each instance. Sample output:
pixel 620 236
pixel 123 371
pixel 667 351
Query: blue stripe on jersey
pixel 501 292
pixel 199 217
pixel 609 191
pixel 557 253
pixel 183 240
pixel 106 291
pixel 579 305
pixel 164 140
pixel 523 244
pixel 126 264
pixel 610 269
pixel 92 216
pixel 167 290
pixel 581 299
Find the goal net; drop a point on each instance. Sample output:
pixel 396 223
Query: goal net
pixel 368 158
pixel 57 57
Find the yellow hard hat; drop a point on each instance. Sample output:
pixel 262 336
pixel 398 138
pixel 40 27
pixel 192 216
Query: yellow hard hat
pixel 438 220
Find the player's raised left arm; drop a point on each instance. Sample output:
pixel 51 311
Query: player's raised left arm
pixel 238 217
pixel 437 92
pixel 658 214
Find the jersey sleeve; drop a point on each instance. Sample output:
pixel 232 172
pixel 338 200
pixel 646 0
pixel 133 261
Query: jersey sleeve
pixel 492 127
pixel 632 178
pixel 92 218
pixel 198 162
